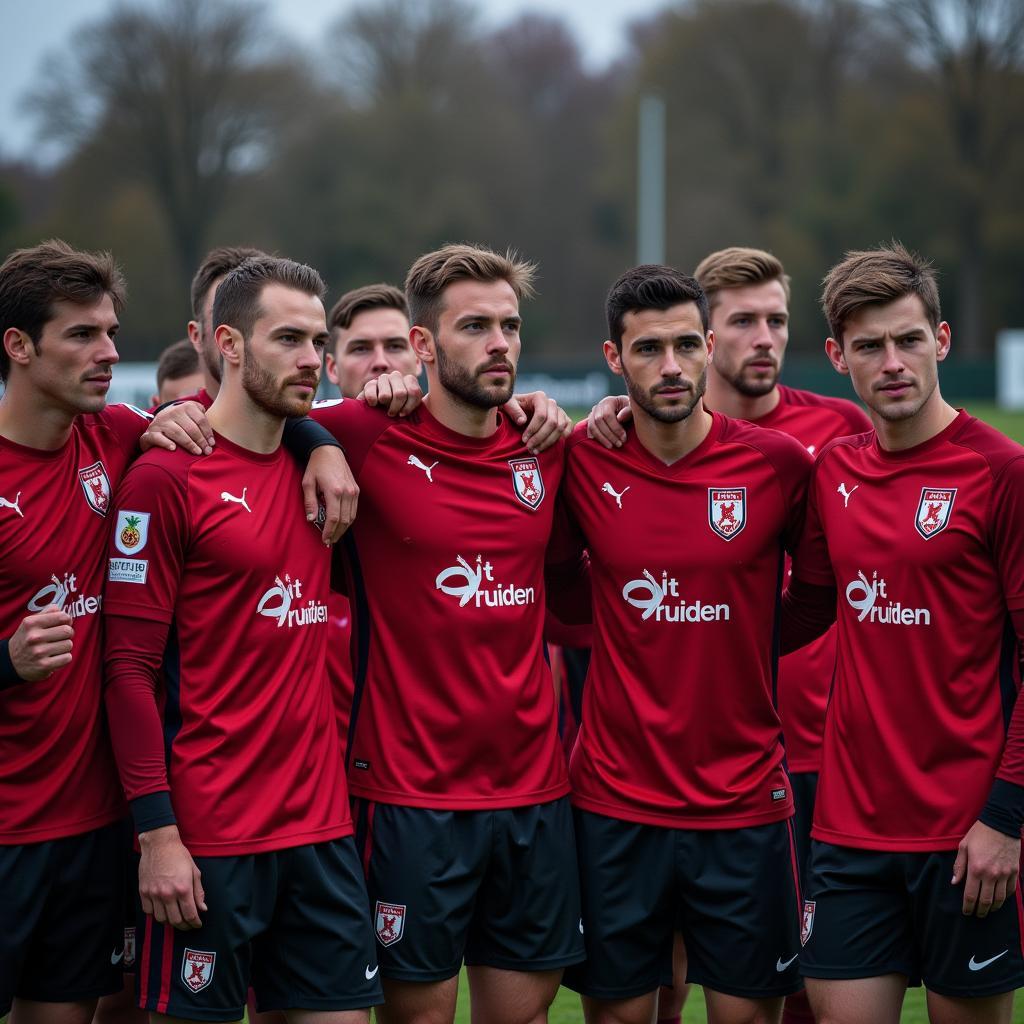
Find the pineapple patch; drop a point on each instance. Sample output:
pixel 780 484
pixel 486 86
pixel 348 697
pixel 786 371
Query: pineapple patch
pixel 131 531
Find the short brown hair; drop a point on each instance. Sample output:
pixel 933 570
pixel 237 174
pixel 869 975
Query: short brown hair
pixel 217 264
pixel 32 280
pixel 370 296
pixel 177 361
pixel 874 277
pixel 433 272
pixel 737 267
pixel 237 302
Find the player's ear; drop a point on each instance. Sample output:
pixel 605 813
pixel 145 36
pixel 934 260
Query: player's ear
pixel 422 342
pixel 331 367
pixel 709 340
pixel 229 343
pixel 613 357
pixel 18 346
pixel 195 334
pixel 943 336
pixel 836 356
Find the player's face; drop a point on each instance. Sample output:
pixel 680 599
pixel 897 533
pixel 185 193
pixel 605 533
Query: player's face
pixel 179 387
pixel 376 342
pixel 76 355
pixel 751 326
pixel 477 344
pixel 281 360
pixel 664 360
pixel 891 353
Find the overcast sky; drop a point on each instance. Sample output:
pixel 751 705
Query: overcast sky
pixel 30 29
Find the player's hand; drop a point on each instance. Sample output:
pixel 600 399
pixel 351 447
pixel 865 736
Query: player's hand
pixel 328 483
pixel 547 421
pixel 987 862
pixel 42 644
pixel 183 424
pixel 605 421
pixel 170 884
pixel 400 392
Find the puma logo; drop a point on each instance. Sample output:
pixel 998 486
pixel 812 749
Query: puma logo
pixel 847 495
pixel 4 503
pixel 606 488
pixel 224 496
pixel 414 461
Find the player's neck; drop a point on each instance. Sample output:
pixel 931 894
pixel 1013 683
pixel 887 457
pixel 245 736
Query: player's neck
pixel 670 442
pixel 724 398
pixel 28 419
pixel 210 384
pixel 237 417
pixel 462 417
pixel 932 418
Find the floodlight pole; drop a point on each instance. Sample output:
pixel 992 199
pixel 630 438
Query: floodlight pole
pixel 650 206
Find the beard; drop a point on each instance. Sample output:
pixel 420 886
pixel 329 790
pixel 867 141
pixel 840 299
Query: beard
pixel 269 393
pixel 750 388
pixel 647 400
pixel 465 384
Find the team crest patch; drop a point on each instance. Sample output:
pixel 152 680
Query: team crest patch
pixel 727 510
pixel 389 922
pixel 197 969
pixel 131 531
pixel 933 510
pixel 129 946
pixel 807 924
pixel 527 481
pixel 96 485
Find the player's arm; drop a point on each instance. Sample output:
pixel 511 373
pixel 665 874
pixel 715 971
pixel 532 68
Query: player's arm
pixel 139 600
pixel 42 643
pixel 606 419
pixel 567 571
pixel 988 858
pixel 179 424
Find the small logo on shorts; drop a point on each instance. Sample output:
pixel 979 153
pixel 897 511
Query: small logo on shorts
pixel 390 922
pixel 975 966
pixel 197 969
pixel 129 946
pixel 807 925
pixel 778 794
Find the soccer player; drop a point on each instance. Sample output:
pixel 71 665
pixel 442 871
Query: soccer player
pixel 460 785
pixel 681 795
pixel 916 528
pixel 237 788
pixel 62 836
pixel 177 373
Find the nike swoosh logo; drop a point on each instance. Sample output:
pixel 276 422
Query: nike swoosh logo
pixel 581 926
pixel 780 966
pixel 116 958
pixel 975 966
pixel 371 974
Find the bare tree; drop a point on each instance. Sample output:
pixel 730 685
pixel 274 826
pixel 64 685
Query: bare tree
pixel 973 49
pixel 183 98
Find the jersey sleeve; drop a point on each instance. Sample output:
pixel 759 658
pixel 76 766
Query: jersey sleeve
pixel 146 551
pixel 567 571
pixel 354 424
pixel 127 423
pixel 811 562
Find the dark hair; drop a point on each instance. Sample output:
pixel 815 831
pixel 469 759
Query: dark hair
pixel 32 280
pixel 651 286
pixel 433 272
pixel 217 264
pixel 177 361
pixel 874 277
pixel 237 302
pixel 371 296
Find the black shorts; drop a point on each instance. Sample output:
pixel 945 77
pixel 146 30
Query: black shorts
pixel 493 888
pixel 128 950
pixel 805 788
pixel 292 923
pixel 871 912
pixel 62 917
pixel 732 893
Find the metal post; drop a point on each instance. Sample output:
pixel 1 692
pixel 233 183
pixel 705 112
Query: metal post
pixel 650 219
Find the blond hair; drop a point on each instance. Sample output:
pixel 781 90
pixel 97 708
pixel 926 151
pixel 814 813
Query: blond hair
pixel 737 267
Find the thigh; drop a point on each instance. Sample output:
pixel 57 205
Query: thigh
pixel 527 915
pixel 73 951
pixel 626 879
pixel 423 872
pixel 856 916
pixel 203 973
pixel 318 951
pixel 876 1000
pixel 740 911
pixel 427 1002
pixel 510 997
pixel 996 1009
pixel 962 957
